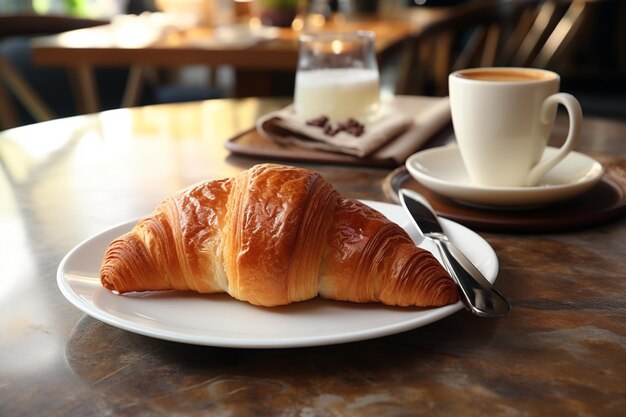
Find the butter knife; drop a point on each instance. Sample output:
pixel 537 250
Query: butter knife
pixel 476 292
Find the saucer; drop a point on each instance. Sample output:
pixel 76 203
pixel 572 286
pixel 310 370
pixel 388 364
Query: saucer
pixel 441 170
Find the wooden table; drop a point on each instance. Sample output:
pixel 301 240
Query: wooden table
pixel 257 67
pixel 559 352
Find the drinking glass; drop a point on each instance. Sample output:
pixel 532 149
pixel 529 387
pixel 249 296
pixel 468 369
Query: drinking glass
pixel 337 76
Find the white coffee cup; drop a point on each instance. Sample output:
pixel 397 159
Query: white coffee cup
pixel 502 120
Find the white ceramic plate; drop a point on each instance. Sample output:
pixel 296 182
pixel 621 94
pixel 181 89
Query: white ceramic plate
pixel 218 320
pixel 441 170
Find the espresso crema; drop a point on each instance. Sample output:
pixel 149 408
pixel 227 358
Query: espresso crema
pixel 505 75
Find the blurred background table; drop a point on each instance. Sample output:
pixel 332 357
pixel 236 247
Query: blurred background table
pixel 264 68
pixel 123 63
pixel 559 352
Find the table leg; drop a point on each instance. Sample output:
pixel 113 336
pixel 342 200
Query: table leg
pixel 24 92
pixel 8 115
pixel 133 86
pixel 85 89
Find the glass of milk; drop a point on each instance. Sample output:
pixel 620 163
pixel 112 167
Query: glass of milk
pixel 337 77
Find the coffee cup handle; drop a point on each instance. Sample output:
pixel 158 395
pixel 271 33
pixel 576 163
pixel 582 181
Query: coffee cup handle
pixel 548 109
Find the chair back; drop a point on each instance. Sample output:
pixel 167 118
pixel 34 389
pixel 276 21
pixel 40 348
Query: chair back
pixel 522 33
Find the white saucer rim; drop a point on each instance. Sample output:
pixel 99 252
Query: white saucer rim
pixel 412 167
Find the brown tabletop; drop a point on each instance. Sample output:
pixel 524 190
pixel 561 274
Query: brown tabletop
pixel 257 67
pixel 559 352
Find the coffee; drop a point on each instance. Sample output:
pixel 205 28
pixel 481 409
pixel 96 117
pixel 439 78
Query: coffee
pixel 505 75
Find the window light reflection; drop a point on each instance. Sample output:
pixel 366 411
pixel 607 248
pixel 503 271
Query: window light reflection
pixel 127 31
pixel 336 46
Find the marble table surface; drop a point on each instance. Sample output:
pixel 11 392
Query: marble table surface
pixel 561 351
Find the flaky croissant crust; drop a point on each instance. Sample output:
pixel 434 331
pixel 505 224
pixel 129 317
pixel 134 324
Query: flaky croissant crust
pixel 274 235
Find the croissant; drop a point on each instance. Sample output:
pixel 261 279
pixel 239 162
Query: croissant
pixel 274 235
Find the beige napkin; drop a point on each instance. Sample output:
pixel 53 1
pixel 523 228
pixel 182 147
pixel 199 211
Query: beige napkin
pixel 285 128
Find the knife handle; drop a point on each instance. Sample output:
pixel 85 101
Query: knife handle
pixel 477 293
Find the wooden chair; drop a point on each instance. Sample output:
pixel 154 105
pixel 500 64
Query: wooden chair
pixel 529 33
pixel 12 80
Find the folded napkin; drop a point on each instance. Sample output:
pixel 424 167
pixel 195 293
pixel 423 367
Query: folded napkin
pixel 284 127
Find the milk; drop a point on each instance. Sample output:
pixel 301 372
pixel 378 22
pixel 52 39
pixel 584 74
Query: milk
pixel 339 93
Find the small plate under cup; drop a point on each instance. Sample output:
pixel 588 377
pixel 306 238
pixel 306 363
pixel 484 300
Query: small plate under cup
pixel 442 170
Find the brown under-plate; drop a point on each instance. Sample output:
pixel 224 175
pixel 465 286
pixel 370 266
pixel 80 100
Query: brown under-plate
pixel 605 201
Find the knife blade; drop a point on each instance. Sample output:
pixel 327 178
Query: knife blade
pixel 477 293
